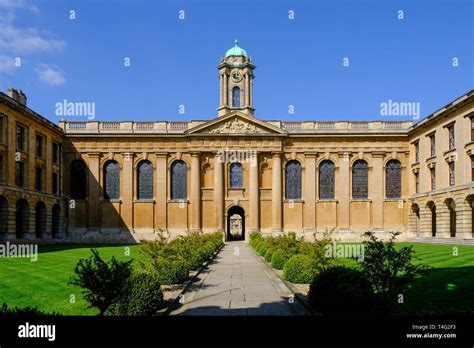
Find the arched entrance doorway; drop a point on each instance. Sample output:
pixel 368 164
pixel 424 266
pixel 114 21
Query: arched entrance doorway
pixel 3 218
pixel 55 221
pixel 40 220
pixel 21 219
pixel 452 216
pixel 432 208
pixel 236 223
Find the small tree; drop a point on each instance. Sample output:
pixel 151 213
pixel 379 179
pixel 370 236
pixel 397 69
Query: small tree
pixel 102 283
pixel 389 271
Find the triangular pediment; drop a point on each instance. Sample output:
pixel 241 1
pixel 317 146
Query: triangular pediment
pixel 236 123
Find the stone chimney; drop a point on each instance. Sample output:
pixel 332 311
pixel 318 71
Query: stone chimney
pixel 17 95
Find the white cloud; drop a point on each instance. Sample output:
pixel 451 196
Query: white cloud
pixel 27 40
pixel 7 64
pixel 50 75
pixel 18 4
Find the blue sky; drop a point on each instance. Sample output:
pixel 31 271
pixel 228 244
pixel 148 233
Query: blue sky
pixel 299 62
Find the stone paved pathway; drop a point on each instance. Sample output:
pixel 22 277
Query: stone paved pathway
pixel 237 282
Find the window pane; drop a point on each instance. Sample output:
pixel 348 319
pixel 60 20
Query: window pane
pixel 112 180
pixel 39 179
pixel 293 180
pixel 179 180
pixel 236 97
pixel 360 179
pixel 236 180
pixel 393 179
pixel 326 180
pixel 145 180
pixel 78 179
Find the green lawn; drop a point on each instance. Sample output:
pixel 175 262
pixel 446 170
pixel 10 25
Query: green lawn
pixel 44 283
pixel 449 286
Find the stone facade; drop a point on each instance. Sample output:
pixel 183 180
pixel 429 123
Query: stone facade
pixel 31 202
pixel 308 177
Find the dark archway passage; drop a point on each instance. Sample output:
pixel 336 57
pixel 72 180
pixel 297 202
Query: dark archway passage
pixel 21 219
pixel 432 208
pixel 40 220
pixel 236 223
pixel 55 220
pixel 3 218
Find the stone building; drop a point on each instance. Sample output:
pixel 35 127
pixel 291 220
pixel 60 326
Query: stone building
pixel 236 174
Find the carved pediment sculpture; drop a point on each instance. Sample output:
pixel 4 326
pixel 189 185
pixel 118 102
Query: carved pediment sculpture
pixel 236 126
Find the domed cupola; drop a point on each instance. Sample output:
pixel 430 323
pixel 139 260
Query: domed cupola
pixel 236 51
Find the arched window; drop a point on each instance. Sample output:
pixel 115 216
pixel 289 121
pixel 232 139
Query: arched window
pixel 393 179
pixel 111 180
pixel 360 179
pixel 236 97
pixel 326 180
pixel 145 180
pixel 236 180
pixel 293 180
pixel 78 180
pixel 179 180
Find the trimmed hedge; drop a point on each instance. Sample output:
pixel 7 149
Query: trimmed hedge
pixel 172 261
pixel 279 259
pixel 269 254
pixel 300 269
pixel 143 297
pixel 341 289
pixel 262 250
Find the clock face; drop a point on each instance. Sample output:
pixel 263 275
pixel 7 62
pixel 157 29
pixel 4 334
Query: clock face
pixel 236 60
pixel 236 76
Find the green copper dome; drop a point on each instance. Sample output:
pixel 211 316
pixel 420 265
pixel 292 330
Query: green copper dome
pixel 236 51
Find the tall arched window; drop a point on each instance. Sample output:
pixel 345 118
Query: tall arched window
pixel 179 180
pixel 111 180
pixel 236 97
pixel 293 180
pixel 360 179
pixel 78 179
pixel 145 180
pixel 326 180
pixel 235 171
pixel 393 179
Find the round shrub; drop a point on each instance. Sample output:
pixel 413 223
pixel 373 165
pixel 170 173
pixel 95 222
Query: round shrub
pixel 279 259
pixel 269 254
pixel 145 297
pixel 300 269
pixel 340 289
pixel 172 272
pixel 257 246
pixel 262 250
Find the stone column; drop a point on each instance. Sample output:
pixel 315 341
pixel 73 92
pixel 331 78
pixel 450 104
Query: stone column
pixel 221 94
pixel 442 220
pixel 463 219
pixel 343 190
pixel 93 205
pixel 127 191
pixel 247 90
pixel 226 99
pixel 195 192
pixel 161 197
pixel 309 194
pixel 219 192
pixel 376 179
pixel 254 202
pixel 250 90
pixel 276 193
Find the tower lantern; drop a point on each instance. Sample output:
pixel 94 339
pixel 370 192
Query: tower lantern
pixel 236 78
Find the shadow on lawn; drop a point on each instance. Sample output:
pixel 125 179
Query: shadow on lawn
pixel 48 248
pixel 441 291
